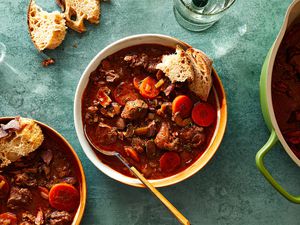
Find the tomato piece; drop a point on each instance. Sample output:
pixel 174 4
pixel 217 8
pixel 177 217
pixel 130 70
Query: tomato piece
pixel 131 153
pixel 125 92
pixel 137 80
pixel 103 98
pixel 203 114
pixel 4 187
pixel 169 161
pixel 8 218
pixel 148 89
pixel 182 104
pixel 64 196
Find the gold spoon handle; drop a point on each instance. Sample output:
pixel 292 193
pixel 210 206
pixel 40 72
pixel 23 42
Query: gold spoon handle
pixel 168 204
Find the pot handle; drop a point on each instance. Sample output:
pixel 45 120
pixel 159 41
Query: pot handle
pixel 260 164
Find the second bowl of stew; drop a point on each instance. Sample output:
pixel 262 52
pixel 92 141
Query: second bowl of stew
pixel 47 186
pixel 118 101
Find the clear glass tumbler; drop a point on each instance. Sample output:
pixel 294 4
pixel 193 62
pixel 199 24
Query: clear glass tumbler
pixel 198 15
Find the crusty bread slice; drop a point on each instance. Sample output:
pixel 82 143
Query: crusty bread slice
pixel 82 10
pixel 202 66
pixel 177 66
pixel 47 30
pixel 20 142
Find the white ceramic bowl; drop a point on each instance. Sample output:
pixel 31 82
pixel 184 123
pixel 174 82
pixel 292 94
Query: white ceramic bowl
pixel 197 165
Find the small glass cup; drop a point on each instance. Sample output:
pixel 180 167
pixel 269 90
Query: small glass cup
pixel 198 15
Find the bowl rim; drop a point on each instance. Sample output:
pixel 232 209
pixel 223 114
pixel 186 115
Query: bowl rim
pixel 83 192
pixel 215 142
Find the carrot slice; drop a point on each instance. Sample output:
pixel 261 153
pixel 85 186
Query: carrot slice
pixel 203 114
pixel 182 104
pixel 8 218
pixel 169 161
pixel 64 196
pixel 137 80
pixel 4 187
pixel 131 153
pixel 125 92
pixel 148 89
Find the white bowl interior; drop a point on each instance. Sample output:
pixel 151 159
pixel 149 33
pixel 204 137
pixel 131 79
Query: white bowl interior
pixel 112 48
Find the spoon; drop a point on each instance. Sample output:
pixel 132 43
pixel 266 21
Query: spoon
pixel 151 188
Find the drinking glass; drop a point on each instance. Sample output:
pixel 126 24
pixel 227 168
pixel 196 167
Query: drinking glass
pixel 198 15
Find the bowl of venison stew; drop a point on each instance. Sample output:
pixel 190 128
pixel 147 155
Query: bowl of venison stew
pixel 41 178
pixel 155 100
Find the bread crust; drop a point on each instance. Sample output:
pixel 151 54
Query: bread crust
pixel 202 66
pixel 28 25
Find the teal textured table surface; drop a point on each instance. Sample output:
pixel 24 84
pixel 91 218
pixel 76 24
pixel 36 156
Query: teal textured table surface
pixel 229 190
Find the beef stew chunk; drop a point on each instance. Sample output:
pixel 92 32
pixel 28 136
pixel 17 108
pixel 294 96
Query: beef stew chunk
pixel 142 60
pixel 145 125
pixel 28 218
pixel 58 218
pixel 165 140
pixel 106 134
pixel 19 197
pixel 25 180
pixel 192 135
pixel 134 110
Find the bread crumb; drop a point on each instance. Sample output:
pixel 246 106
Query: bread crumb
pixel 48 62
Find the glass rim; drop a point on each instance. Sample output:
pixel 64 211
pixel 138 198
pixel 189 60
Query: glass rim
pixel 208 14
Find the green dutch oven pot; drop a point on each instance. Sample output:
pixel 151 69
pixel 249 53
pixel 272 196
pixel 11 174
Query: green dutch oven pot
pixel 292 14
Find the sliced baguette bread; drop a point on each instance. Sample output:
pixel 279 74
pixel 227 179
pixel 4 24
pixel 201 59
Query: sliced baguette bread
pixel 177 66
pixel 202 66
pixel 47 30
pixel 81 10
pixel 20 142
